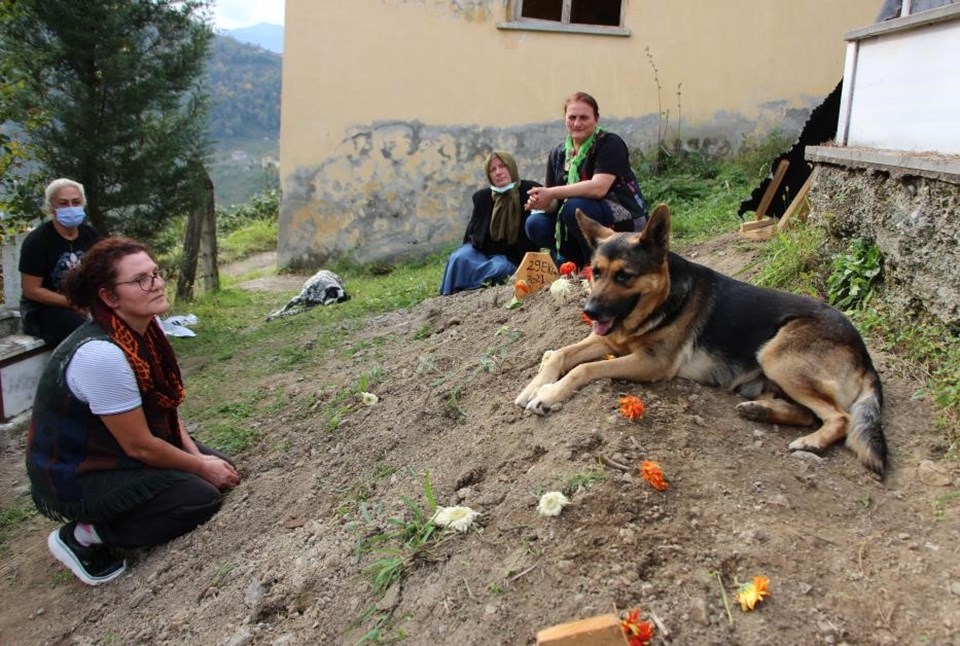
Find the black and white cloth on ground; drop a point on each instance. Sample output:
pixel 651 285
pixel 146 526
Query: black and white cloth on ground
pixel 323 288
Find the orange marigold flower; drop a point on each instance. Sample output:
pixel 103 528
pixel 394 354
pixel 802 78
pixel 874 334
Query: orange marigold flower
pixel 750 594
pixel 522 286
pixel 586 319
pixel 588 272
pixel 568 269
pixel 653 474
pixel 631 407
pixel 639 633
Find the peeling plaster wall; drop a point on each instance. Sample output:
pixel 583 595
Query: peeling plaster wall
pixel 398 190
pixel 389 106
pixel 912 219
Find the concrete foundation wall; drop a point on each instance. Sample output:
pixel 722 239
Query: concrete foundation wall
pixel 395 190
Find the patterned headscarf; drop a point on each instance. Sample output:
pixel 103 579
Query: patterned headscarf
pixel 505 222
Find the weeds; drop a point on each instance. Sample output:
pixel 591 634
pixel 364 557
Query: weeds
pixel 403 541
pixel 383 630
pixel 580 482
pixel 793 261
pixel 451 404
pixel 854 275
pixel 12 519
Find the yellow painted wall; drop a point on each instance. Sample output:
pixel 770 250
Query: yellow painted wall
pixel 388 105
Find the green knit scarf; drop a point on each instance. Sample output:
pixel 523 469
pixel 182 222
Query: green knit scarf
pixel 572 164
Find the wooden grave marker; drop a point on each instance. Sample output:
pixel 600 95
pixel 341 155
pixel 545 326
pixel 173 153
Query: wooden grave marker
pixel 537 270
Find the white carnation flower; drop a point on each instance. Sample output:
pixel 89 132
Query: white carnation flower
pixel 458 518
pixel 552 503
pixel 561 289
pixel 369 399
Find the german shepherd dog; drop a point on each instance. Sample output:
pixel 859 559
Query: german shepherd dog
pixel 798 360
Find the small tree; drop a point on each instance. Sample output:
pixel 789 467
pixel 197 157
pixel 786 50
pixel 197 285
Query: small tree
pixel 110 95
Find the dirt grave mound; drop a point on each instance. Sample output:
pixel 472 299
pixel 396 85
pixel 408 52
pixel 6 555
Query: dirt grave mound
pixel 849 560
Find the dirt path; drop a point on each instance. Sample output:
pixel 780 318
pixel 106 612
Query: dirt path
pixel 850 560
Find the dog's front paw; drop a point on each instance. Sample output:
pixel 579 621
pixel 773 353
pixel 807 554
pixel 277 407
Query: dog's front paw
pixel 527 394
pixel 546 400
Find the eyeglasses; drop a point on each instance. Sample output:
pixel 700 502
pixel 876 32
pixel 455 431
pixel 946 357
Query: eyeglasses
pixel 146 282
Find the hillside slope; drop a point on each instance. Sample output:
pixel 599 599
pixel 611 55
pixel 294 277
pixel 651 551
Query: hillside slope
pixel 849 559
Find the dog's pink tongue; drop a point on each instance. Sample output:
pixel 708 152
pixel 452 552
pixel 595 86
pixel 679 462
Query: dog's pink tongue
pixel 601 328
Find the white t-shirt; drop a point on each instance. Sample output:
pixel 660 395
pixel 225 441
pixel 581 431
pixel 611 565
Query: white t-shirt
pixel 100 375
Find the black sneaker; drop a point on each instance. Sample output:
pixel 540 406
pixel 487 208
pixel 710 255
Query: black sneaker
pixel 93 565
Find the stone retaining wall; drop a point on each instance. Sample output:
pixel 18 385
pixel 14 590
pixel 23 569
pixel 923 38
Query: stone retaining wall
pixel 914 217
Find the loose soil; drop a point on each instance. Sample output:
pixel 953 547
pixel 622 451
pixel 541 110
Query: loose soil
pixel 850 560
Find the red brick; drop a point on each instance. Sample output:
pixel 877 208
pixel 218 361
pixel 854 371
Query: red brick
pixel 602 630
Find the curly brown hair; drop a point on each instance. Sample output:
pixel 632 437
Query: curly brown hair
pixel 98 269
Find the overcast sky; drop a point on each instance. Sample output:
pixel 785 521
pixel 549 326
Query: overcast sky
pixel 233 14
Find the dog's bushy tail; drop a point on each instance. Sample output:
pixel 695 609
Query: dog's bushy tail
pixel 865 437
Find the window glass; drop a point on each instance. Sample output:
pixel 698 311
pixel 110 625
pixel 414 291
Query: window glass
pixel 595 12
pixel 542 9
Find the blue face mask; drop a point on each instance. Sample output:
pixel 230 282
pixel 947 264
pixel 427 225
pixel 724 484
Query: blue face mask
pixel 502 189
pixel 70 216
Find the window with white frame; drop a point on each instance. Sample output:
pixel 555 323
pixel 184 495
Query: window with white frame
pixel 583 16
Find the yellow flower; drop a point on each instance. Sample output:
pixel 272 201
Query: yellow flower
pixel 750 594
pixel 552 503
pixel 458 518
pixel 369 399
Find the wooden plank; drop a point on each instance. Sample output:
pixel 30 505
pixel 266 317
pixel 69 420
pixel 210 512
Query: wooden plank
pixel 757 224
pixel 602 630
pixel 772 187
pixel 765 233
pixel 799 207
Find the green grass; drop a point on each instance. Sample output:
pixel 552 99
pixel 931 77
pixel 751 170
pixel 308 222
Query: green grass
pixel 795 261
pixel 13 517
pixel 258 236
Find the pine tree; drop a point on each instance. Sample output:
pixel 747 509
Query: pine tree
pixel 111 94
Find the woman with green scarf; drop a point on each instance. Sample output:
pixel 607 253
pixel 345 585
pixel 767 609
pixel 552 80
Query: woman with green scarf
pixel 495 241
pixel 589 171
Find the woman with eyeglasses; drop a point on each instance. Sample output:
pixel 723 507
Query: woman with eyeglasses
pixel 107 452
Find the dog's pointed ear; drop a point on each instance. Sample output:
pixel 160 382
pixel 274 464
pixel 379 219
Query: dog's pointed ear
pixel 593 231
pixel 657 230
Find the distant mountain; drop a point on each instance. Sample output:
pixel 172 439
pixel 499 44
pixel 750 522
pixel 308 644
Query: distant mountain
pixel 244 83
pixel 244 119
pixel 270 37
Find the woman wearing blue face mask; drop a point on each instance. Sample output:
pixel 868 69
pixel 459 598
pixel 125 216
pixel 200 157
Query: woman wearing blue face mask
pixel 46 255
pixel 495 240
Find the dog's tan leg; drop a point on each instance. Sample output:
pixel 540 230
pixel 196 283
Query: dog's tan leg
pixel 815 373
pixel 632 367
pixel 560 361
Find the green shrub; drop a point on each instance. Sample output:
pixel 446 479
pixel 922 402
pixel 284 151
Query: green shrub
pixel 262 207
pixel 854 275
